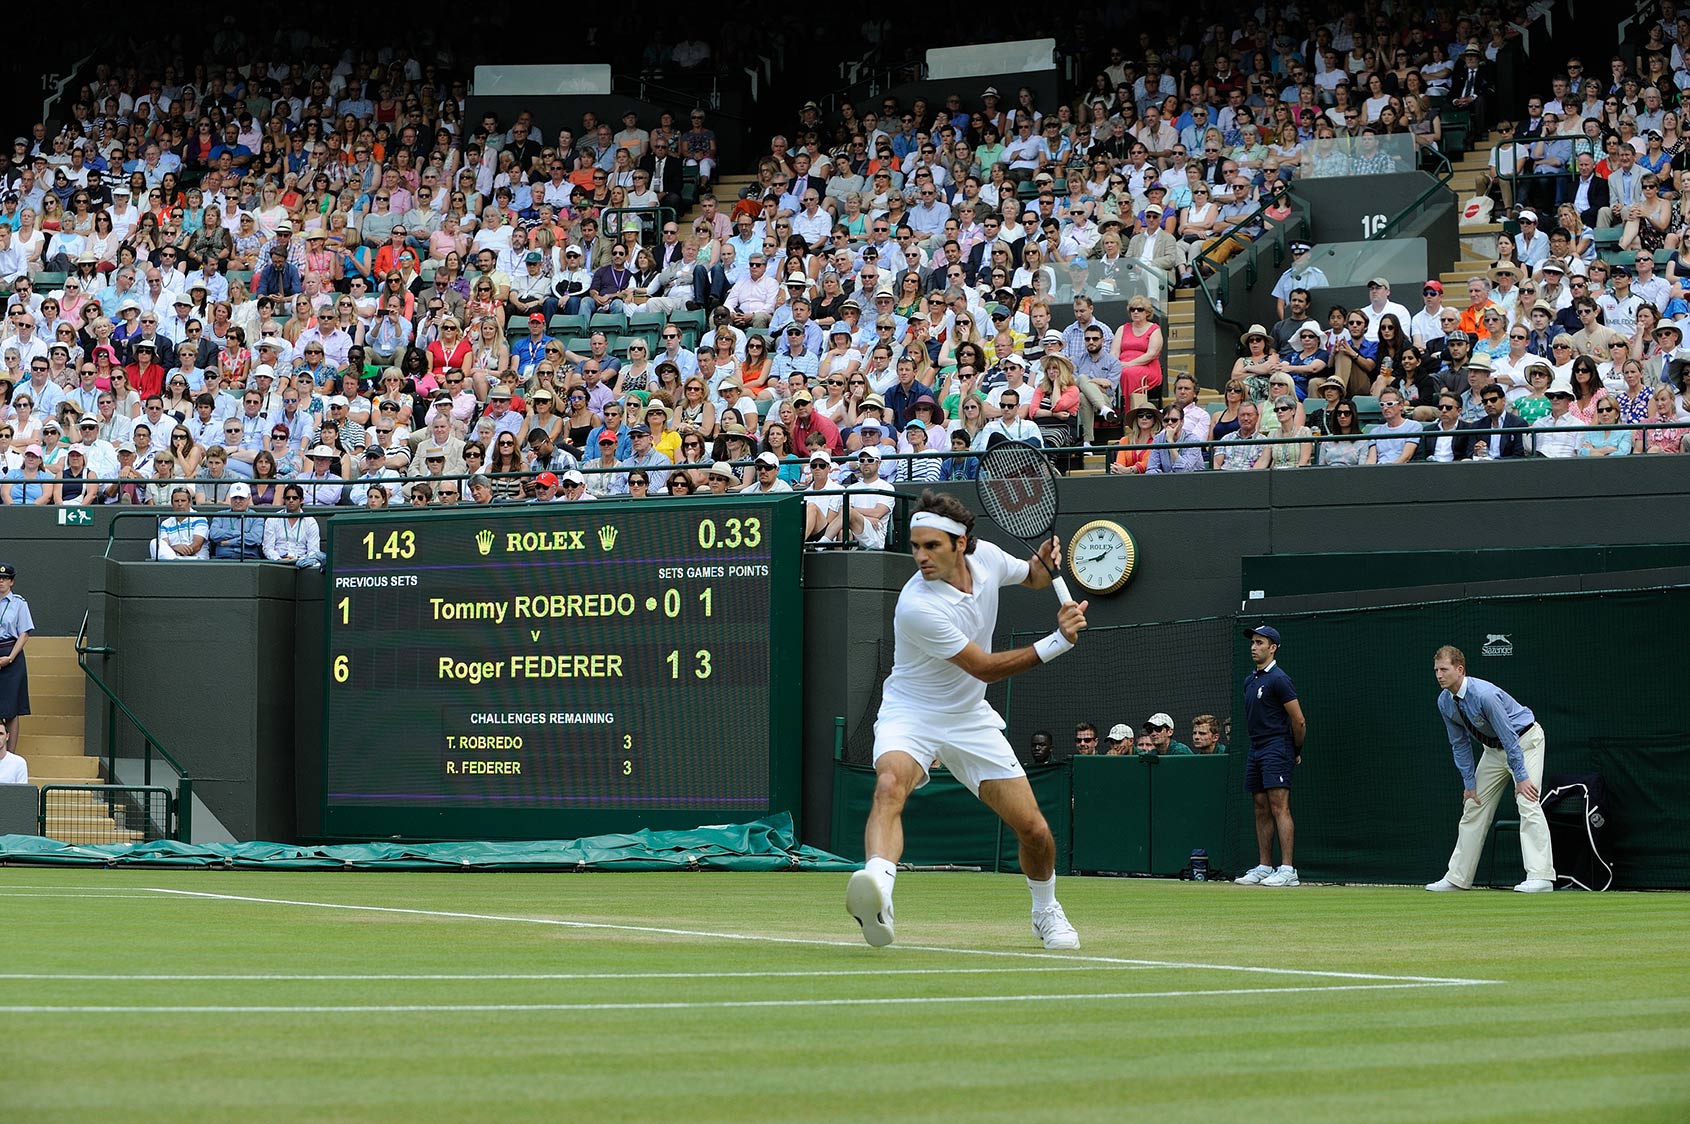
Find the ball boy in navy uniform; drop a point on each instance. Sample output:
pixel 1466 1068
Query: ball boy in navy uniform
pixel 1276 727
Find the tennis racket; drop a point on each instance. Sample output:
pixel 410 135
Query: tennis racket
pixel 1018 492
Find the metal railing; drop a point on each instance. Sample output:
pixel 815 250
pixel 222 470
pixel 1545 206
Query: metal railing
pixel 1442 173
pixel 108 813
pixel 1217 283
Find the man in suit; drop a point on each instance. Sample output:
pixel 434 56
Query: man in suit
pixel 1590 191
pixel 1163 251
pixel 980 253
pixel 1471 83
pixel 1508 441
pixel 665 169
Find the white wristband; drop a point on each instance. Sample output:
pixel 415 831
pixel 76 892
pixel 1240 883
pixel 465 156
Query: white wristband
pixel 1052 646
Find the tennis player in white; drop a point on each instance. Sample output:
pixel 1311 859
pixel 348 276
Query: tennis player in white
pixel 934 707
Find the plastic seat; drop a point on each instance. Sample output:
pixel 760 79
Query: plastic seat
pixel 577 344
pixel 568 324
pixel 648 325
pixel 1367 409
pixel 611 323
pixel 48 279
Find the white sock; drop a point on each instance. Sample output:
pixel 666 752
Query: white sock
pixel 884 871
pixel 1044 893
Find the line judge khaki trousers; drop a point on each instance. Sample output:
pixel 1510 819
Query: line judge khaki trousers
pixel 1494 779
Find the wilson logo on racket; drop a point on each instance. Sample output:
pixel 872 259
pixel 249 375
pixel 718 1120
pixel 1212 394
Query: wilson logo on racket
pixel 1014 493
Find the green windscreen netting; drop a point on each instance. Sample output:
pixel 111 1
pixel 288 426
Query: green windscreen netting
pixel 1377 796
pixel 767 844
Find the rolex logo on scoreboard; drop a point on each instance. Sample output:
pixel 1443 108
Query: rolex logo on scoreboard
pixel 607 537
pixel 484 542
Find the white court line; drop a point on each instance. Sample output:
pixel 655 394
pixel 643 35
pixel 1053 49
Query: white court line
pixel 1018 969
pixel 49 894
pixel 560 923
pixel 410 1008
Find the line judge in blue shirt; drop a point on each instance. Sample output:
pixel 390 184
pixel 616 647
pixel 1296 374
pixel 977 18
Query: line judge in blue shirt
pixel 1274 718
pixel 1475 710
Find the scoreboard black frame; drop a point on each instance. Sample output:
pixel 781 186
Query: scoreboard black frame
pixel 549 671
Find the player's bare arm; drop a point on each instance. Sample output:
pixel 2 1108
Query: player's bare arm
pixel 990 667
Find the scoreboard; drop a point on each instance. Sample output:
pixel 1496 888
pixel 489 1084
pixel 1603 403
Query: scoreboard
pixel 547 671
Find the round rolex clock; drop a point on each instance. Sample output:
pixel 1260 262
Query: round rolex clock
pixel 1101 556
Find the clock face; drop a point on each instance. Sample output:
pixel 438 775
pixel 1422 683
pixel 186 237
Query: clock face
pixel 1101 557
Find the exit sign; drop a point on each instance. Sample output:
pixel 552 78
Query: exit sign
pixel 75 516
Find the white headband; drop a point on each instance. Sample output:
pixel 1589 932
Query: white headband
pixel 937 522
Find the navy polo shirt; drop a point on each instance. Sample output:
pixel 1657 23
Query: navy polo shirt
pixel 1266 691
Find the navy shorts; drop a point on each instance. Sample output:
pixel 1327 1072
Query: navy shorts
pixel 1269 767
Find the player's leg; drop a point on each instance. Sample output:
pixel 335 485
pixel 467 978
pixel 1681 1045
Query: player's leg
pixel 1491 775
pixel 868 893
pixel 896 775
pixel 1013 800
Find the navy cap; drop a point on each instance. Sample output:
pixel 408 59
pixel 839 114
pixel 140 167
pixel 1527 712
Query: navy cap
pixel 639 431
pixel 7 570
pixel 1266 631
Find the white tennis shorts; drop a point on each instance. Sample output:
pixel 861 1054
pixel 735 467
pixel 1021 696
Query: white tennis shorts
pixel 971 746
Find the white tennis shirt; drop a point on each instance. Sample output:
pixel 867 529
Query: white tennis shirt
pixel 934 621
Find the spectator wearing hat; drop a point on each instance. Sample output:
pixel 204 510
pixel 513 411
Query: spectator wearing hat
pixel 1118 742
pixel 531 289
pixel 766 471
pixel 323 484
pixel 1531 245
pixel 1426 326
pixel 868 511
pixel 1303 274
pixel 1160 727
pixel 644 456
pixel 1379 302
pixel 236 536
pixel 1548 437
pixel 1153 245
pixel 1471 83
pixel 809 420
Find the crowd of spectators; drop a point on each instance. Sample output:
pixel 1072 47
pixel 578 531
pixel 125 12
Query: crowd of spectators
pixel 1155 738
pixel 326 274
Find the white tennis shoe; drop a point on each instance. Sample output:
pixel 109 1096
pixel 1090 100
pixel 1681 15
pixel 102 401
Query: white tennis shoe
pixel 1053 928
pixel 1443 885
pixel 1253 876
pixel 1284 876
pixel 1535 886
pixel 871 905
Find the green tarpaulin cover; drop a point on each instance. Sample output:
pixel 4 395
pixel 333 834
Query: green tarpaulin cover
pixel 767 844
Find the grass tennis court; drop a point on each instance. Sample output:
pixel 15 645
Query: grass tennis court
pixel 724 997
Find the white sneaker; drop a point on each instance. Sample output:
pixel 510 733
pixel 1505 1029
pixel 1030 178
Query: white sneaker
pixel 1284 876
pixel 1253 876
pixel 871 906
pixel 1053 928
pixel 1442 885
pixel 1535 886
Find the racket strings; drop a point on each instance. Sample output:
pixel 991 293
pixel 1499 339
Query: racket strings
pixel 1018 490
